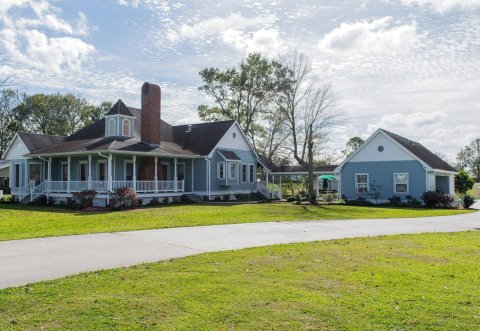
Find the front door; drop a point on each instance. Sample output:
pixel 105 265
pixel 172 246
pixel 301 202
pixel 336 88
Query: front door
pixel 35 173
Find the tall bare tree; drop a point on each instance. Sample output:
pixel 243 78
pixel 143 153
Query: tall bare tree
pixel 309 109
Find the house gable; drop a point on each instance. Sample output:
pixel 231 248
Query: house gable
pixel 381 148
pixel 16 150
pixel 235 139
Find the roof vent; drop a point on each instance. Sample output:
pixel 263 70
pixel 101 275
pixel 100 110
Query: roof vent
pixel 189 129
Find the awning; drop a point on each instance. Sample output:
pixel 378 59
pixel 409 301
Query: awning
pixel 328 177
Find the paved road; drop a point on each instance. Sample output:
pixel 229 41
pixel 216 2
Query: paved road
pixel 33 260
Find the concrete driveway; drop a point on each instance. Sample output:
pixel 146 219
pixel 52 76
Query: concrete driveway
pixel 33 260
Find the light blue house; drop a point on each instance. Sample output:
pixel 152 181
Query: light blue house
pixel 388 164
pixel 134 148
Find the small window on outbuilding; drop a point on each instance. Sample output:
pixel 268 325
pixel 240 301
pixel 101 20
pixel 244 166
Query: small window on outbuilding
pixel 126 128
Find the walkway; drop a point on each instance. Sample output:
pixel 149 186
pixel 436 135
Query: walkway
pixel 33 260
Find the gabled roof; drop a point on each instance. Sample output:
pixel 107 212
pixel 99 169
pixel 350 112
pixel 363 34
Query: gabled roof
pixel 119 108
pixel 421 152
pixel 417 150
pixel 35 141
pixel 201 138
pixel 186 140
pixel 229 155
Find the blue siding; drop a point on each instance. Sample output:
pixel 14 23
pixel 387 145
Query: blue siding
pixel 381 173
pixel 200 176
pixel 232 185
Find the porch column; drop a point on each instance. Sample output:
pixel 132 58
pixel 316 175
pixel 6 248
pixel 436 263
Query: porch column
pixel 451 185
pixel 273 186
pixel 134 175
pixel 318 187
pixel 155 176
pixel 110 182
pixel 175 176
pixel 68 173
pixel 49 176
pixel 89 172
pixel 280 190
pixel 193 173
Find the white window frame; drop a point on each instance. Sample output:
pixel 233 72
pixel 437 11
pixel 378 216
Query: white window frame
pixel 114 121
pixel 356 183
pixel 252 173
pixel 17 174
pixel 80 170
pixel 61 171
pixel 129 133
pixel 97 175
pixel 235 173
pixel 125 169
pixel 219 164
pixel 244 173
pixel 395 182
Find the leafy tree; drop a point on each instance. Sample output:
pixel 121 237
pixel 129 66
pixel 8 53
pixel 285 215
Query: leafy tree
pixel 57 114
pixel 9 121
pixel 244 94
pixel 469 158
pixel 463 183
pixel 352 145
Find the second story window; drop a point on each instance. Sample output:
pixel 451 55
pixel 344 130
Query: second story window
pixel 112 127
pixel 126 128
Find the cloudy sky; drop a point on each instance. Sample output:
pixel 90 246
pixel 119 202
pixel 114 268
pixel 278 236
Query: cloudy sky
pixel 409 66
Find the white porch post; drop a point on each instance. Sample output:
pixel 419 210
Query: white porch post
pixel 134 175
pixel 89 172
pixel 49 176
pixel 68 173
pixel 110 182
pixel 175 176
pixel 193 172
pixel 280 190
pixel 155 176
pixel 273 186
pixel 318 187
pixel 451 185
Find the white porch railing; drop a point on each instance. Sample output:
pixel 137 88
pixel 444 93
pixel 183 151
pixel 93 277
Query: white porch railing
pixel 102 186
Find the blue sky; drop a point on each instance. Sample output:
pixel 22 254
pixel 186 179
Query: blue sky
pixel 409 66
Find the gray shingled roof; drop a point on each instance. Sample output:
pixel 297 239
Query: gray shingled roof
pixel 229 155
pixel 195 139
pixel 35 141
pixel 119 108
pixel 421 152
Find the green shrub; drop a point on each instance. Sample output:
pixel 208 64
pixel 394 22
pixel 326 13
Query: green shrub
pixel 6 199
pixel 395 201
pixel 123 198
pixel 468 201
pixel 437 199
pixel 82 199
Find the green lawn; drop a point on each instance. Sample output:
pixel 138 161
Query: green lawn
pixel 411 282
pixel 19 222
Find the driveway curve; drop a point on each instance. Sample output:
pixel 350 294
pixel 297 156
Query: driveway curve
pixel 33 260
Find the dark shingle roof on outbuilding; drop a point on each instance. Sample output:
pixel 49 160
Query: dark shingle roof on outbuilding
pixel 421 152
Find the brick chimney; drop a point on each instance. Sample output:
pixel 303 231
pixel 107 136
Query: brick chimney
pixel 151 105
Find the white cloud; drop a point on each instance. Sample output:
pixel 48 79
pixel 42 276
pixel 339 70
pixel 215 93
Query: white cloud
pixel 443 6
pixel 217 26
pixel 34 48
pixel 377 36
pixel 26 43
pixel 265 41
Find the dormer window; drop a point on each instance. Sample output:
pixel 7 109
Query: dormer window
pixel 112 127
pixel 126 128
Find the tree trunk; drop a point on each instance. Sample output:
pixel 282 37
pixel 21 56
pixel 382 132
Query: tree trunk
pixel 311 188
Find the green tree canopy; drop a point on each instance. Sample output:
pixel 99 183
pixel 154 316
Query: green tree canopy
pixel 352 145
